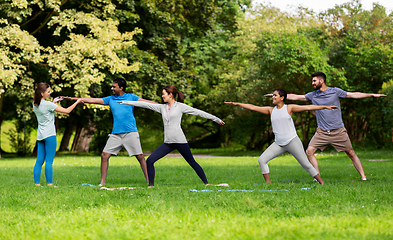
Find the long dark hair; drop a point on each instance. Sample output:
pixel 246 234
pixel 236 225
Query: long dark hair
pixel 41 88
pixel 176 94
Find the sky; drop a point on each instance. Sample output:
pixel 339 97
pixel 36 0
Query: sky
pixel 322 5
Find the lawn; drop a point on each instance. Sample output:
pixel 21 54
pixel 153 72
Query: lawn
pixel 181 207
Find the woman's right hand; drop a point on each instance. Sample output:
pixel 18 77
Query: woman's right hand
pixel 231 103
pixel 331 107
pixel 58 99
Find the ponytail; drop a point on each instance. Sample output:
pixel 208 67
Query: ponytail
pixel 180 97
pixel 176 94
pixel 41 88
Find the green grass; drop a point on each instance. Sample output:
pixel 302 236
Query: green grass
pixel 344 208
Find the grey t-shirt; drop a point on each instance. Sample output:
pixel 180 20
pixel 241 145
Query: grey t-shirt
pixel 328 119
pixel 45 113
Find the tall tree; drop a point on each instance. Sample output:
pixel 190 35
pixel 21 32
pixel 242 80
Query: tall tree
pixel 360 41
pixel 270 50
pixel 76 43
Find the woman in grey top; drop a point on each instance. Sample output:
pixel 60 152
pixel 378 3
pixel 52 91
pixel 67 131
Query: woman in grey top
pixel 174 137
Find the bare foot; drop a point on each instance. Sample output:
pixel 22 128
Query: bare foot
pixel 222 185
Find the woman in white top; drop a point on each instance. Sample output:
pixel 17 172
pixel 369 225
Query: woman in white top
pixel 174 137
pixel 46 133
pixel 286 138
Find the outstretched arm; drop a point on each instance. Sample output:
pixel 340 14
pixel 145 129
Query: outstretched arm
pixel 358 95
pixel 295 97
pixel 87 100
pixel 197 112
pixel 143 104
pixel 292 97
pixel 145 100
pixel 301 108
pixel 69 109
pixel 264 110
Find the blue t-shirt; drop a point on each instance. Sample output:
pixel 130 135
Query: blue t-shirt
pixel 328 119
pixel 123 115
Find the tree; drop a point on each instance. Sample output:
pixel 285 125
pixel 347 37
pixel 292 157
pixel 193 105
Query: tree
pixel 174 31
pixel 270 50
pixel 87 45
pixel 91 42
pixel 359 41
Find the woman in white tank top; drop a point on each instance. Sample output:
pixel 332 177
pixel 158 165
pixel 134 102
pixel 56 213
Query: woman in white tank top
pixel 284 130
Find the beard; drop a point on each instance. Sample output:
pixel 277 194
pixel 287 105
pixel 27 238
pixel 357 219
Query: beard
pixel 318 86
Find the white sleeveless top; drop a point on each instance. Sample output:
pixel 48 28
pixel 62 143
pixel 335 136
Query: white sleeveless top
pixel 283 127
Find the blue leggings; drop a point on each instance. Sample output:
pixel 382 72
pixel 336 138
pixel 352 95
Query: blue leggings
pixel 46 150
pixel 166 148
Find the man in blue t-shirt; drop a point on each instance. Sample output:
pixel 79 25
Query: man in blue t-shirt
pixel 124 132
pixel 331 128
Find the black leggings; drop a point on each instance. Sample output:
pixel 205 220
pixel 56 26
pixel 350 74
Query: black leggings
pixel 166 148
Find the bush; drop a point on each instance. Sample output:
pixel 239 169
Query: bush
pixel 20 142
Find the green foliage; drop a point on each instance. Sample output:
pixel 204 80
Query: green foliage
pixel 278 50
pixel 167 24
pixel 78 61
pixel 288 60
pixel 72 44
pixel 270 50
pixel 20 141
pixel 362 46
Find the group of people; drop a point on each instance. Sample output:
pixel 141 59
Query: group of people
pixel 325 100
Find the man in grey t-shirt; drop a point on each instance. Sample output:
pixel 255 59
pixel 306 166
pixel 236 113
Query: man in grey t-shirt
pixel 331 128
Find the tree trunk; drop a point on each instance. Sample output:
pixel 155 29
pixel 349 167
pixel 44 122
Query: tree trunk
pixel 34 153
pixel 1 119
pixel 304 132
pixel 74 143
pixel 83 138
pixel 251 142
pixel 362 134
pixel 65 141
pixel 228 137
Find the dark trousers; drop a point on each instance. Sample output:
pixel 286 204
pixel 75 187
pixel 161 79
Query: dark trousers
pixel 166 148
